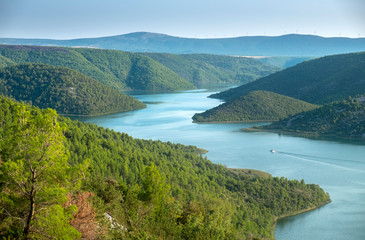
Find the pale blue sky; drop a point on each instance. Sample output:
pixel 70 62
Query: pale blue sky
pixel 65 19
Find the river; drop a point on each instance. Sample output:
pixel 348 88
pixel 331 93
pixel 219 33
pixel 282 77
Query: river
pixel 337 167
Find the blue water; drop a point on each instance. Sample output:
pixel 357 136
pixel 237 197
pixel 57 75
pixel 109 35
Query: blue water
pixel 337 167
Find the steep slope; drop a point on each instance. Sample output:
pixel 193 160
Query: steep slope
pixel 67 91
pixel 317 81
pixel 286 45
pixel 255 106
pixel 342 119
pixel 162 190
pixel 110 67
pixel 205 68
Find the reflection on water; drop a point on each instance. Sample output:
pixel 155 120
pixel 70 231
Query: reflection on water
pixel 337 166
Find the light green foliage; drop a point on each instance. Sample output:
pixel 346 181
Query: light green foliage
pixel 319 81
pixel 255 106
pixel 34 173
pixel 53 223
pixel 63 89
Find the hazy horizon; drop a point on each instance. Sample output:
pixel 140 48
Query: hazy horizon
pixel 71 19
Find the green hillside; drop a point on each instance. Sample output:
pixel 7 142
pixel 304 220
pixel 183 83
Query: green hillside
pixel 341 119
pixel 317 81
pixel 63 89
pixel 114 68
pixel 284 62
pixel 255 106
pixel 153 190
pixel 205 68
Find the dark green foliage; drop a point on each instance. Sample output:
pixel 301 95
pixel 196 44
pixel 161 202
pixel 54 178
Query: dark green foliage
pixel 157 190
pixel 204 68
pixel 317 81
pixel 113 68
pixel 67 91
pixel 255 106
pixel 342 119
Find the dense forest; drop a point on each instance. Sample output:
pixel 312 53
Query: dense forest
pixel 126 71
pixel 205 68
pixel 340 119
pixel 255 106
pixel 317 81
pixel 63 89
pixel 117 69
pixel 60 178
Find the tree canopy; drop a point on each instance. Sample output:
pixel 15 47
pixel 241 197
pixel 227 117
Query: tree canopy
pixel 63 89
pixel 255 106
pixel 319 81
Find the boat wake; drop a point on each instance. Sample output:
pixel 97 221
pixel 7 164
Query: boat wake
pixel 317 160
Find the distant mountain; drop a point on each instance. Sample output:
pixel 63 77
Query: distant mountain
pixel 255 106
pixel 317 81
pixel 117 69
pixel 341 119
pixel 286 45
pixel 66 90
pixel 206 68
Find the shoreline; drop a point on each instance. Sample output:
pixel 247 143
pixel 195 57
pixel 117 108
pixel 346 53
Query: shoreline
pixel 316 136
pixel 96 115
pixel 228 122
pixel 276 219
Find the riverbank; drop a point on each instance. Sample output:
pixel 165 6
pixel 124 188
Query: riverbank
pixel 310 135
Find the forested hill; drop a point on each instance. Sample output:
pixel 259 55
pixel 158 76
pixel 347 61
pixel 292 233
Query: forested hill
pixel 205 68
pixel 63 89
pixel 317 81
pixel 255 106
pixel 123 70
pixel 286 45
pixel 340 119
pixel 153 190
pixel 117 69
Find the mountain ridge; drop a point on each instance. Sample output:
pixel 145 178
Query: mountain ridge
pixel 284 45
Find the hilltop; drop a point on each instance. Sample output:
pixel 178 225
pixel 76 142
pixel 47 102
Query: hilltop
pixel 63 89
pixel 286 45
pixel 255 106
pixel 117 69
pixel 344 119
pixel 317 81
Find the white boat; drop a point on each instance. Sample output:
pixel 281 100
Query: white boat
pixel 272 150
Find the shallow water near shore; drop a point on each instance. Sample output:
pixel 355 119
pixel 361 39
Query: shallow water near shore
pixel 337 167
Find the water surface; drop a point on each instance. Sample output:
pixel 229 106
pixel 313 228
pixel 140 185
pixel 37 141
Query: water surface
pixel 337 167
